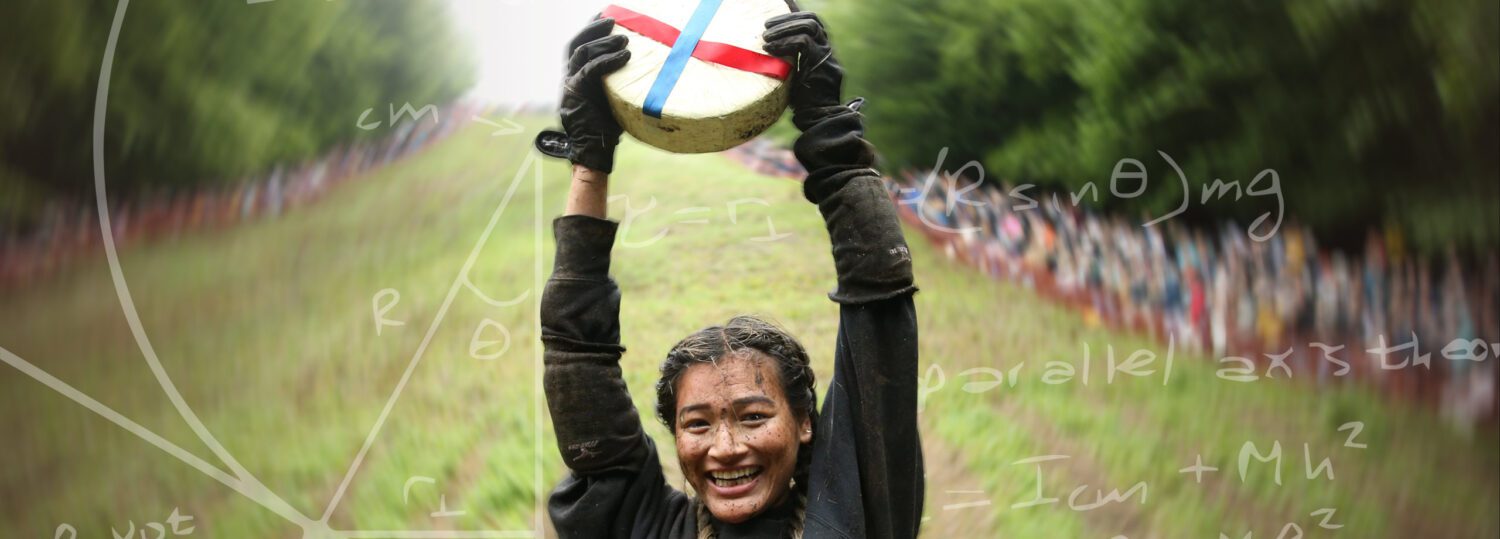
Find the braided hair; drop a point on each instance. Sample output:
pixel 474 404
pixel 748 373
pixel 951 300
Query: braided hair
pixel 739 335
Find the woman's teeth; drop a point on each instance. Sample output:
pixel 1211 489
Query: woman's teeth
pixel 734 478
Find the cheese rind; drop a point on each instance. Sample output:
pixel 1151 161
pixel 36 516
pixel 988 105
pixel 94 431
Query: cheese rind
pixel 712 107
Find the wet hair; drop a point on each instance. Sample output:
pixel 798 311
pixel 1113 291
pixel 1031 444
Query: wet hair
pixel 739 335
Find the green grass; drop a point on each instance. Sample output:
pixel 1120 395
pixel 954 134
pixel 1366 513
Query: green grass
pixel 267 330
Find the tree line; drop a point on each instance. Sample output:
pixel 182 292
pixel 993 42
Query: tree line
pixel 1378 113
pixel 205 92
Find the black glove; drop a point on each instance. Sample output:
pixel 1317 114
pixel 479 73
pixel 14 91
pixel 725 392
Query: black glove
pixel 592 132
pixel 869 250
pixel 819 78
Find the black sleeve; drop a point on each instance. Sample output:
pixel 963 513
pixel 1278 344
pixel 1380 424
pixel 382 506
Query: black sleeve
pixel 616 488
pixel 867 476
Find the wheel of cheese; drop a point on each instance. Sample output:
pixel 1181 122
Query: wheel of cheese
pixel 697 80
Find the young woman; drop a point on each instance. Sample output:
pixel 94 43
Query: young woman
pixel 739 398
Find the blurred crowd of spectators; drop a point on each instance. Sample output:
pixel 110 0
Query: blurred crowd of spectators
pixel 765 156
pixel 69 230
pixel 1417 326
pixel 1421 327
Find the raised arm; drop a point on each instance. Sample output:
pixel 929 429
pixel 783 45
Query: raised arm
pixel 869 250
pixel 867 476
pixel 616 488
pixel 589 193
pixel 596 422
pixel 597 426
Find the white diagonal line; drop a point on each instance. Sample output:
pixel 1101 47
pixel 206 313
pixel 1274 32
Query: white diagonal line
pixel 537 367
pixel 952 506
pixel 416 358
pixel 255 491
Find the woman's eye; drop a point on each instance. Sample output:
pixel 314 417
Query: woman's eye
pixel 753 417
pixel 695 426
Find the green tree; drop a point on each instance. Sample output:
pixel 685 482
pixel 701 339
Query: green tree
pixel 1373 112
pixel 209 91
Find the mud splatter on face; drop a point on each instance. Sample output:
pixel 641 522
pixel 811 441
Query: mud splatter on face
pixel 741 426
pixel 737 438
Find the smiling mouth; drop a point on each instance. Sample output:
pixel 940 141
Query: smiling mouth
pixel 734 478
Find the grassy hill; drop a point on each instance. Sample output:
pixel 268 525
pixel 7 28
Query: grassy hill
pixel 269 332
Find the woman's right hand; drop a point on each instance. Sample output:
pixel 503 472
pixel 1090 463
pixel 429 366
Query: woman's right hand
pixel 592 132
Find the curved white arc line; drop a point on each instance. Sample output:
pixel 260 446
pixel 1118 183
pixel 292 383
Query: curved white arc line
pixel 406 489
pixel 487 299
pixel 262 495
pixel 249 491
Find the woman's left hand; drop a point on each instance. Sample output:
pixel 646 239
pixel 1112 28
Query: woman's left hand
pixel 819 79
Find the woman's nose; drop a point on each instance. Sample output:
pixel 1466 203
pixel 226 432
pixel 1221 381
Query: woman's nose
pixel 726 444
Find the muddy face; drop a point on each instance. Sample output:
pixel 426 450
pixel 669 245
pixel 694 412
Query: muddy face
pixel 737 439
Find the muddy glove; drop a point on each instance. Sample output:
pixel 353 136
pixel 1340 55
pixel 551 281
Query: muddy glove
pixel 869 250
pixel 592 132
pixel 819 79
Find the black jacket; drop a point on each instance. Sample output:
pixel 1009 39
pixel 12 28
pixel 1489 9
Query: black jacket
pixel 866 478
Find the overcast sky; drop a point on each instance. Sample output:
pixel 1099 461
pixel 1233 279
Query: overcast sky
pixel 520 43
